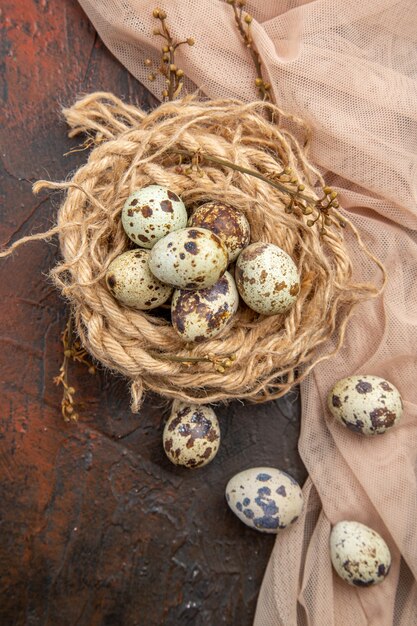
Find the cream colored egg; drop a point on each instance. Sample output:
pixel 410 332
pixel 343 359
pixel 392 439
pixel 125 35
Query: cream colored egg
pixel 191 258
pixel 368 405
pixel 267 278
pixel 151 213
pixel 265 498
pixel 201 314
pixel 191 435
pixel 130 281
pixel 359 554
pixel 228 223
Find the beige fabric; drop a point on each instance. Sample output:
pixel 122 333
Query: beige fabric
pixel 350 68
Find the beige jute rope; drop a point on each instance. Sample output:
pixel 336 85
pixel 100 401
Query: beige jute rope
pixel 132 149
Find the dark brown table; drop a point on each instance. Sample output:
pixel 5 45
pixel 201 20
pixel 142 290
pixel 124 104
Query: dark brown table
pixel 97 527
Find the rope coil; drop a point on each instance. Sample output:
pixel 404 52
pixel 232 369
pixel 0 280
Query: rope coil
pixel 132 149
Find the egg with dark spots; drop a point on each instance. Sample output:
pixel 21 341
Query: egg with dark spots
pixel 191 436
pixel 130 281
pixel 152 212
pixel 359 554
pixel 191 258
pixel 226 222
pixel 202 314
pixel 265 498
pixel 267 278
pixel 365 404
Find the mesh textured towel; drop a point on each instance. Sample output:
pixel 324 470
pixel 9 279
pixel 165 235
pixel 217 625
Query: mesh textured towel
pixel 350 69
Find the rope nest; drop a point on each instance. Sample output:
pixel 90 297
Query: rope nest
pixel 131 149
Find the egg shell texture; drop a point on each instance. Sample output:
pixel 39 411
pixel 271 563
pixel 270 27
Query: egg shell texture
pixel 191 258
pixel 368 405
pixel 131 282
pixel 267 278
pixel 228 223
pixel 191 435
pixel 359 554
pixel 151 213
pixel 201 314
pixel 265 498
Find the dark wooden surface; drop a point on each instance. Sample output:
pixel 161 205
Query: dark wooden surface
pixel 97 528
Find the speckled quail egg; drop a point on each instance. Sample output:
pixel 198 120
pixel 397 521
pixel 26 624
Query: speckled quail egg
pixel 267 278
pixel 203 313
pixel 191 435
pixel 359 554
pixel 226 222
pixel 130 281
pixel 191 258
pixel 265 498
pixel 366 404
pixel 151 213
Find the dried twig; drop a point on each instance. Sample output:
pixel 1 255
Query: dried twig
pixel 174 76
pixel 220 363
pixel 72 350
pixel 284 181
pixel 243 23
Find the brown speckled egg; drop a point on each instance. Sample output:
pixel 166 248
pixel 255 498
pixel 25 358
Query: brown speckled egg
pixel 191 258
pixel 151 213
pixel 191 435
pixel 359 554
pixel 130 281
pixel 203 313
pixel 226 222
pixel 265 498
pixel 368 405
pixel 267 278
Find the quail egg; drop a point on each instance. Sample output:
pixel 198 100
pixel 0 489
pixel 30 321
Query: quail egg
pixel 265 498
pixel 368 405
pixel 267 278
pixel 151 213
pixel 130 281
pixel 201 314
pixel 191 258
pixel 191 435
pixel 359 554
pixel 228 223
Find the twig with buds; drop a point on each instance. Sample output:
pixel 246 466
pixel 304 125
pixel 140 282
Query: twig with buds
pixel 72 350
pixel 174 76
